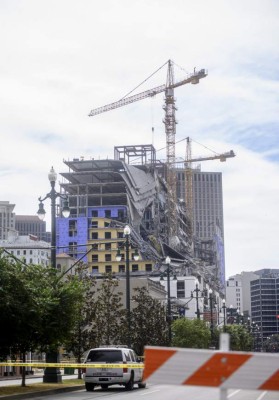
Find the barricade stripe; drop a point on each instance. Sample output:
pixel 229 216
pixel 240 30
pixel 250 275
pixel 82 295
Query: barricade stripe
pixel 154 359
pixel 272 383
pixel 217 369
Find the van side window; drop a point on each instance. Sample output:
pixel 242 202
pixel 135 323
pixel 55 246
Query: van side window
pixel 132 355
pixel 127 355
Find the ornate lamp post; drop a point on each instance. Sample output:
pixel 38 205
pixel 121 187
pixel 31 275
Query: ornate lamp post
pixel 53 195
pixel 224 308
pixel 53 375
pixel 197 290
pixel 127 233
pixel 169 316
pixel 211 312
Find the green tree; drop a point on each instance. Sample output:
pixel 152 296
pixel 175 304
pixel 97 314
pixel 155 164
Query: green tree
pixel 148 321
pixel 107 318
pixel 240 338
pixel 38 310
pixel 271 344
pixel 80 340
pixel 191 333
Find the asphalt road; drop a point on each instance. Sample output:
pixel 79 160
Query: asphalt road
pixel 162 392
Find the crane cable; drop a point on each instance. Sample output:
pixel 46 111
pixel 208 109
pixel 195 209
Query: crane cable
pixel 143 81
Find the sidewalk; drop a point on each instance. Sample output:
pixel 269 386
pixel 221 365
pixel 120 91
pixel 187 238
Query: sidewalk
pixel 37 378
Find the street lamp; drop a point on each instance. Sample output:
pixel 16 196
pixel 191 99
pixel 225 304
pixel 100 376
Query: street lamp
pixel 169 316
pixel 53 195
pixel 127 233
pixel 197 290
pixel 51 374
pixel 224 308
pixel 211 312
pixel 168 261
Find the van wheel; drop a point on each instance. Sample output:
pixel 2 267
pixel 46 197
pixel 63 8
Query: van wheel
pixel 142 385
pixel 89 387
pixel 130 384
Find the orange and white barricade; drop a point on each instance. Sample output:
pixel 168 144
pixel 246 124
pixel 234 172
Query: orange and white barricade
pixel 222 369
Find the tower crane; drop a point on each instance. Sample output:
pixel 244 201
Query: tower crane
pixel 170 128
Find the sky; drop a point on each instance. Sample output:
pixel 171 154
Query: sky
pixel 60 59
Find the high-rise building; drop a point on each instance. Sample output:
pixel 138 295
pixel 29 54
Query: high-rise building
pixel 104 195
pixel 207 216
pixel 265 302
pixel 238 294
pixel 7 219
pixel 31 225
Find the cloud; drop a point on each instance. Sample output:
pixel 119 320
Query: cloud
pixel 62 59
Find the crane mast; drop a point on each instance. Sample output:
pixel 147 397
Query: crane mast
pixel 170 130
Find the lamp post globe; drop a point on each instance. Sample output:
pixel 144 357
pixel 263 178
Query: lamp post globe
pixel 52 176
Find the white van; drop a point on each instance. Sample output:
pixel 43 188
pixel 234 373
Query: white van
pixel 105 376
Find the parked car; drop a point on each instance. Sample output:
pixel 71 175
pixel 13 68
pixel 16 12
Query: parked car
pixel 106 376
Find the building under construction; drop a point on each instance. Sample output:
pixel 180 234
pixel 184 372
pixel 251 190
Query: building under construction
pixel 132 188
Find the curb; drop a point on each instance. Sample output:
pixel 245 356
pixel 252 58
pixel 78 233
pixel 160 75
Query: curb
pixel 42 393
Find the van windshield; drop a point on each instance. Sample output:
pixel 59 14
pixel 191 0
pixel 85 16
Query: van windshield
pixel 108 356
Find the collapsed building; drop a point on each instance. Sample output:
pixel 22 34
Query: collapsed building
pixel 105 195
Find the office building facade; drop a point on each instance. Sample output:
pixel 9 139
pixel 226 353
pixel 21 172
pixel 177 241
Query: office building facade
pixel 7 219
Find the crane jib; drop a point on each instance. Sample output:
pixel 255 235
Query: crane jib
pixel 192 78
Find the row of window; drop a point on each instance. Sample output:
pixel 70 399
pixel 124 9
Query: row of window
pixel 24 252
pixel 108 257
pixel 121 268
pixel 95 235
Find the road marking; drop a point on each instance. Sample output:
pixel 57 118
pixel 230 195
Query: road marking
pixel 233 393
pixel 262 395
pixel 153 391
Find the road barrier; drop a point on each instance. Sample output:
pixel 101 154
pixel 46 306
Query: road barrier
pixel 222 369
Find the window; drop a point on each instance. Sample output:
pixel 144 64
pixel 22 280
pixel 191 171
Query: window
pixel 95 269
pixel 120 235
pixel 94 246
pixel 31 260
pixel 24 252
pixel 108 269
pixel 94 235
pixel 107 246
pixel 120 215
pixel 94 224
pixel 108 257
pixel 121 268
pixel 73 228
pixel 18 252
pixel 148 267
pixel 180 289
pixel 135 267
pixel 107 235
pixel 107 213
pixel 95 258
pixel 31 252
pixel 94 213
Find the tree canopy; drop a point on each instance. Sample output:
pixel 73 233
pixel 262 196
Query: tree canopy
pixel 37 308
pixel 191 333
